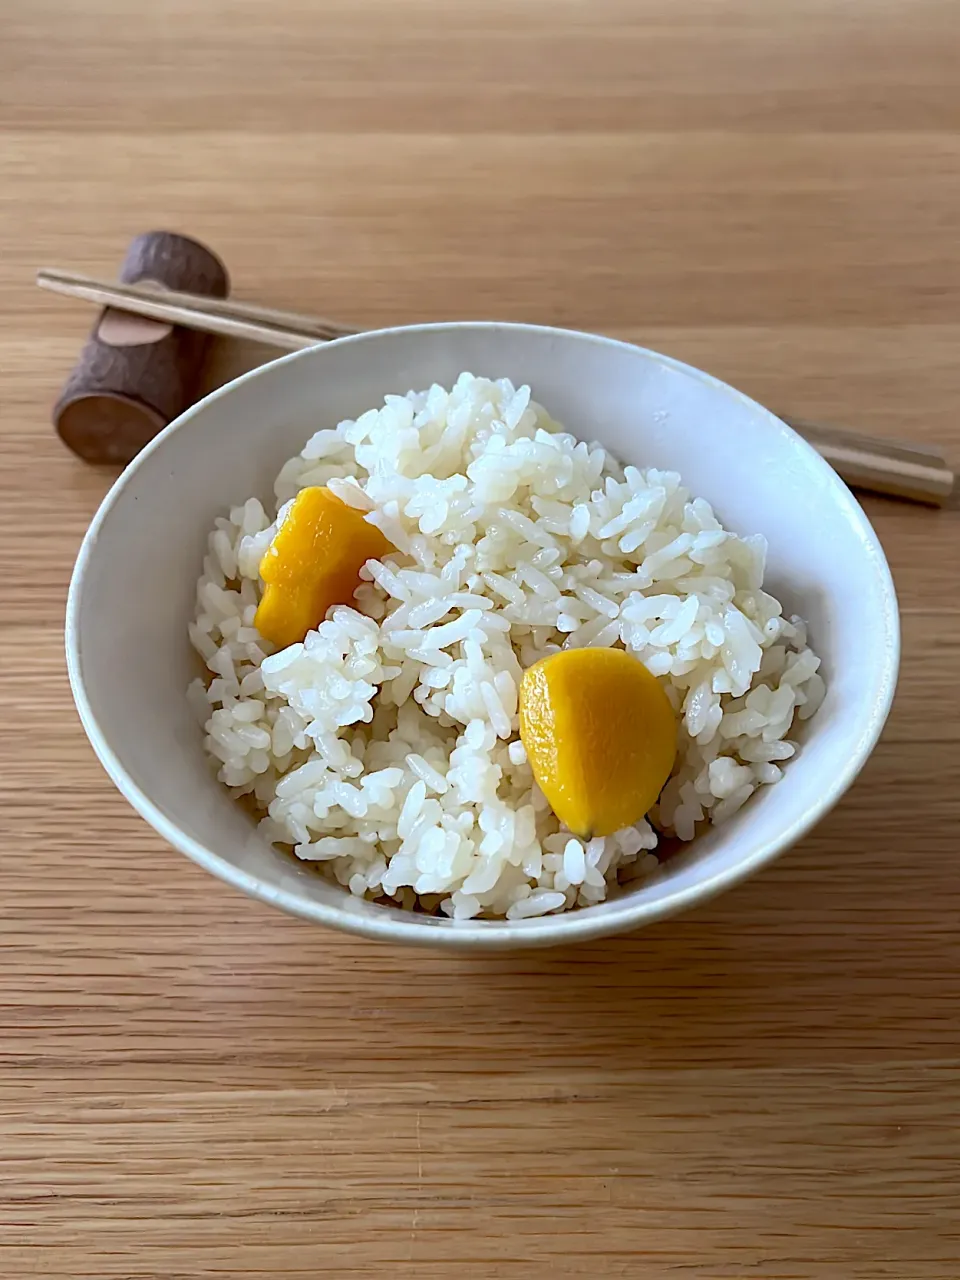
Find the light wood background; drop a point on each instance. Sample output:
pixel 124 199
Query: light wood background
pixel 194 1086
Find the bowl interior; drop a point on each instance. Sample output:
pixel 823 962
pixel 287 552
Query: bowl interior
pixel 133 591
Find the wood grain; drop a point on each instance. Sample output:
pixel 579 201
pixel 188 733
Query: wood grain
pixel 194 1086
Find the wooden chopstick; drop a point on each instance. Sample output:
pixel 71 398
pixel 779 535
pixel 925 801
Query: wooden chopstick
pixel 915 472
pixel 224 316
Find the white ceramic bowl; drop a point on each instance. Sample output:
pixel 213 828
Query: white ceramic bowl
pixel 133 593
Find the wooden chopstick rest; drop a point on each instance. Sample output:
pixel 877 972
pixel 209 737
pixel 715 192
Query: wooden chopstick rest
pixel 136 374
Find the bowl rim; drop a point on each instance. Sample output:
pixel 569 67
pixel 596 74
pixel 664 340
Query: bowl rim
pixel 579 925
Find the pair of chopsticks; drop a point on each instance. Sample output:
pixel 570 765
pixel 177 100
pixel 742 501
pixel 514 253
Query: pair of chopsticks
pixel 915 472
pixel 227 317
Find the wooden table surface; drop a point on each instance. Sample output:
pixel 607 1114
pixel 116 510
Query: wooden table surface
pixel 192 1085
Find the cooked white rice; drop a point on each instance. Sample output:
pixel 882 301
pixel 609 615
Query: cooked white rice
pixel 385 748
